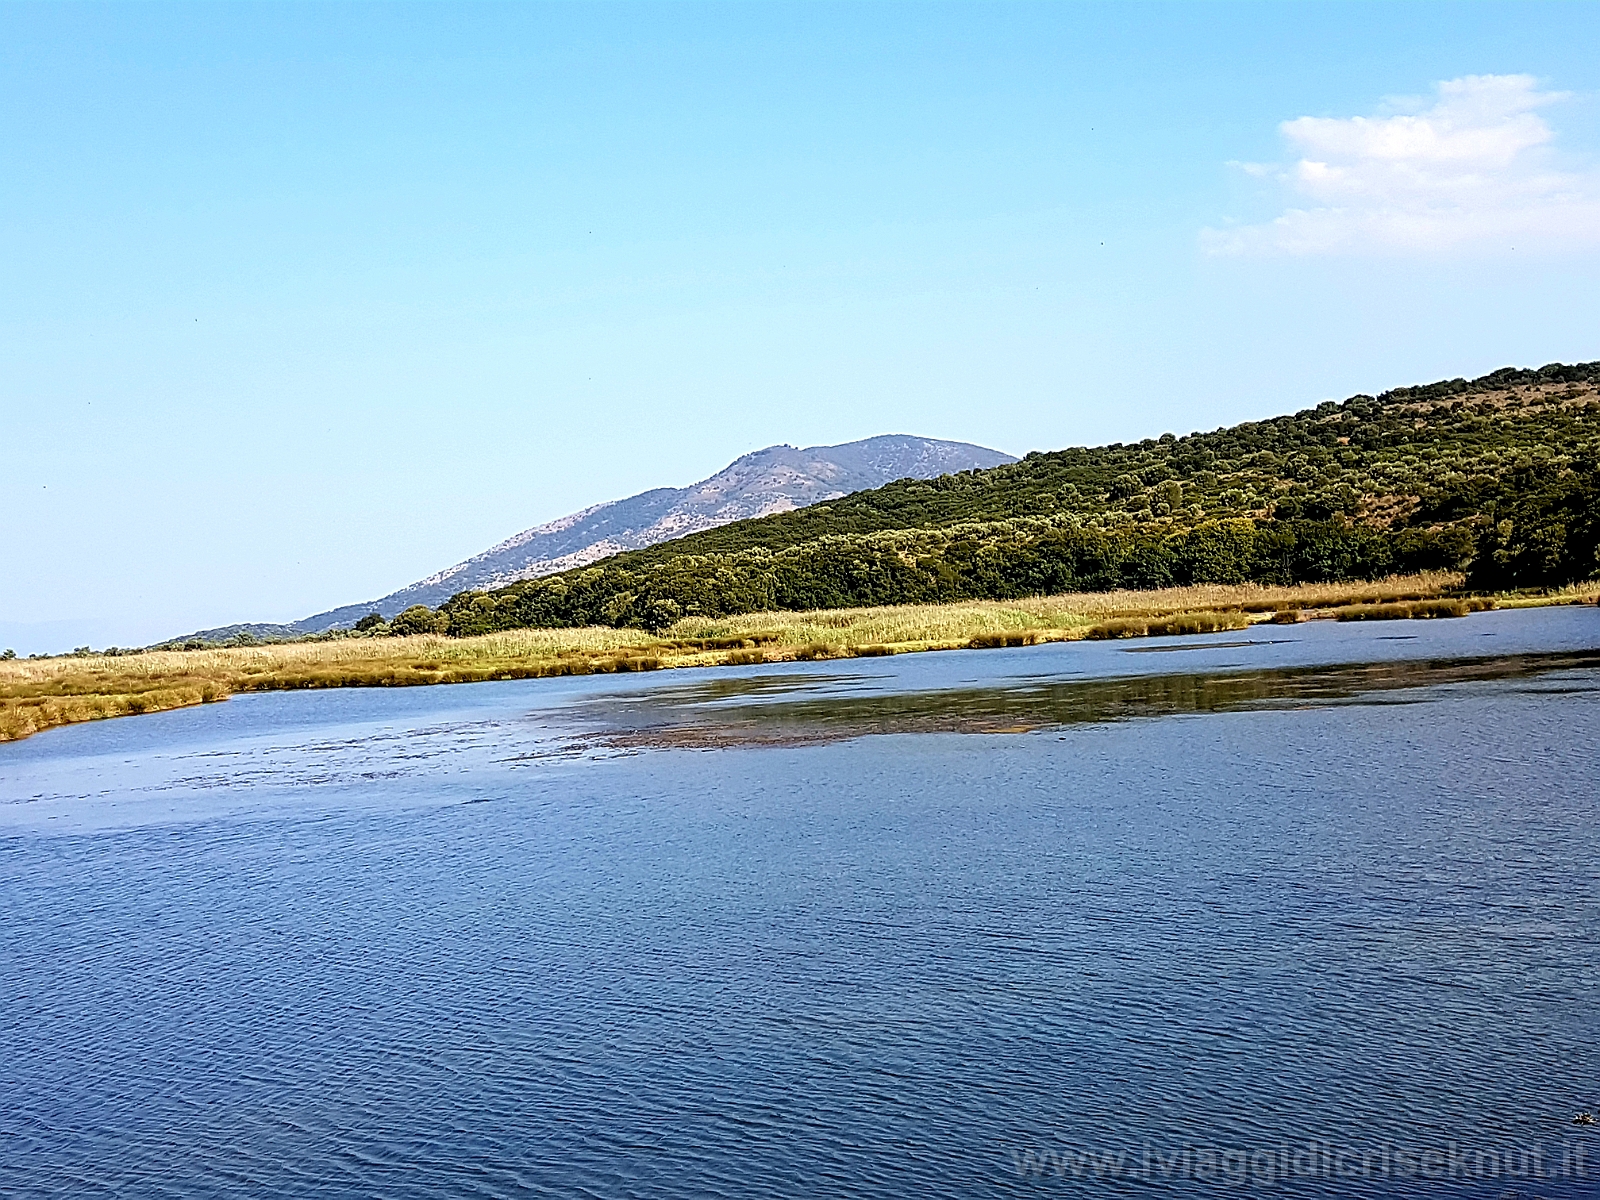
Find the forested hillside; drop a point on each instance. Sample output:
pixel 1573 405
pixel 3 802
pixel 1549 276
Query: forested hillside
pixel 1498 476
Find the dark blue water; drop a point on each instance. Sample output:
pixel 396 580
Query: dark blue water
pixel 1177 917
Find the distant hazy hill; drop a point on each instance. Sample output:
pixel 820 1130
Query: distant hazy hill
pixel 777 479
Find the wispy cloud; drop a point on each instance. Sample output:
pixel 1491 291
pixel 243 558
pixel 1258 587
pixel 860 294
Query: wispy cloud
pixel 1475 171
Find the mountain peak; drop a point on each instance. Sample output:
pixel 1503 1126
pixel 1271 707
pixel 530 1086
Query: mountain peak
pixel 772 479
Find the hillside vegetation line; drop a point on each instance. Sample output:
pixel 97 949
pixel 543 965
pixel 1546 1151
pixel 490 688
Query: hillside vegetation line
pixel 1405 504
pixel 1497 478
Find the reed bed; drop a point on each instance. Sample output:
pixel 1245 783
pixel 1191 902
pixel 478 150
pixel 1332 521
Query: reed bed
pixel 1580 593
pixel 1186 622
pixel 962 622
pixel 1419 610
pixel 37 694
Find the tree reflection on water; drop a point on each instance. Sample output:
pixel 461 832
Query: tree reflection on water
pixel 789 709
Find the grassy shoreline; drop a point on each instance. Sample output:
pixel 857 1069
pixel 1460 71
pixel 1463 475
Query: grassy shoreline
pixel 39 694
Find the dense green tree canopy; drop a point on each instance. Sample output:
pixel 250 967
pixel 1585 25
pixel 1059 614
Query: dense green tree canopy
pixel 1496 475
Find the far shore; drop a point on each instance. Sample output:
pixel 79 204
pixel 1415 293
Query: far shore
pixel 38 694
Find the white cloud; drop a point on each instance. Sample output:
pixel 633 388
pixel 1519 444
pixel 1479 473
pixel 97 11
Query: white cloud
pixel 1473 172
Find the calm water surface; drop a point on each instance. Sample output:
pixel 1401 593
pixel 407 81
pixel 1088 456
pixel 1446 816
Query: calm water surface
pixel 1308 910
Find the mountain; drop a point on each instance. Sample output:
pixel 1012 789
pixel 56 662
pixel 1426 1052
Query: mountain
pixel 1497 476
pixel 775 480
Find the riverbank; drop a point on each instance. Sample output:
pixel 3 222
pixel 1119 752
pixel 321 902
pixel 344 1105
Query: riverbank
pixel 38 694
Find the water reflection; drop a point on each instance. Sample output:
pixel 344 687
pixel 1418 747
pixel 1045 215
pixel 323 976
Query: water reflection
pixel 277 946
pixel 788 710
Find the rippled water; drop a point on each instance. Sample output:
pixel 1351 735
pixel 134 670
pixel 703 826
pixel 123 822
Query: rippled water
pixel 1310 910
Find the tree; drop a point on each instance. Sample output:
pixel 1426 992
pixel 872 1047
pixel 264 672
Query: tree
pixel 1124 486
pixel 659 615
pixel 1545 539
pixel 369 622
pixel 419 618
pixel 1169 497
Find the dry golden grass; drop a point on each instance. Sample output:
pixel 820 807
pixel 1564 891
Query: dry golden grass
pixel 959 623
pixel 37 694
pixel 1581 593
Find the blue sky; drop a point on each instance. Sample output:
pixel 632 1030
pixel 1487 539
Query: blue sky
pixel 299 303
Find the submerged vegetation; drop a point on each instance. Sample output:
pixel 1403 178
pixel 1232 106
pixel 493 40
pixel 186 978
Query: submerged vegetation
pixel 37 694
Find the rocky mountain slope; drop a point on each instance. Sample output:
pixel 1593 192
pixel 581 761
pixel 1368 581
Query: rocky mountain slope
pixel 777 479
